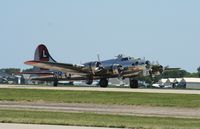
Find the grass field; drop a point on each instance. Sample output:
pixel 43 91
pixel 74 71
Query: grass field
pixel 95 97
pixel 103 120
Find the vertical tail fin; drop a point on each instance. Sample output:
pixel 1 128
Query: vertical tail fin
pixel 42 54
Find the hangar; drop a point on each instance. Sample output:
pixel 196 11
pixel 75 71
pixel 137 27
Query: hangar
pixel 189 83
pixel 162 81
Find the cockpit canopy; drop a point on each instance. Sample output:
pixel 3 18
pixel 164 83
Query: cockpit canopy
pixel 124 58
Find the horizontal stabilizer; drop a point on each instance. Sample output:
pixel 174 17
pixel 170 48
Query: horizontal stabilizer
pixel 67 68
pixel 38 73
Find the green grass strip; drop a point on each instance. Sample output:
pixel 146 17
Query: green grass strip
pixel 95 97
pixel 97 120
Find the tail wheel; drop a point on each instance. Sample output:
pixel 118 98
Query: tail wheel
pixel 89 81
pixel 133 83
pixel 103 82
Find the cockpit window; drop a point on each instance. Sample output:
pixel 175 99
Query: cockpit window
pixel 125 59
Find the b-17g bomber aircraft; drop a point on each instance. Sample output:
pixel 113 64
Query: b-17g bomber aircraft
pixel 47 69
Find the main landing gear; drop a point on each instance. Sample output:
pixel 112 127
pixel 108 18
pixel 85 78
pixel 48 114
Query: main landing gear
pixel 55 83
pixel 133 83
pixel 103 82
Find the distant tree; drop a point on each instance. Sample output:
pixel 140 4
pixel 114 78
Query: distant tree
pixel 198 69
pixel 194 75
pixel 10 71
pixel 175 74
pixel 28 70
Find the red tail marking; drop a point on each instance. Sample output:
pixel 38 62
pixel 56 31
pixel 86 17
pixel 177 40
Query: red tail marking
pixel 31 62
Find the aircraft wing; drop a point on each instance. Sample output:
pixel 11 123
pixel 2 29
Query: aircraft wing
pixel 66 68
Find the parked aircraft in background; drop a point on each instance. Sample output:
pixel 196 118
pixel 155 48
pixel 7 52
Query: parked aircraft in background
pixel 47 69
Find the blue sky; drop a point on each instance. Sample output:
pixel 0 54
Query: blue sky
pixel 167 31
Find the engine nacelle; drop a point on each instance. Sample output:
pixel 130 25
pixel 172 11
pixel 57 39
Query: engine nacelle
pixel 156 70
pixel 94 67
pixel 117 69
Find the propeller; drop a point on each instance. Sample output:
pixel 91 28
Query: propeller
pixel 98 57
pixel 154 68
pixel 159 69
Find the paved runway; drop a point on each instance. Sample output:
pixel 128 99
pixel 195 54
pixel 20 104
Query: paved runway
pixel 104 89
pixel 176 112
pixel 34 126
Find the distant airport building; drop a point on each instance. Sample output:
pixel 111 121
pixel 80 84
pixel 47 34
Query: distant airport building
pixel 162 81
pixel 178 80
pixel 6 78
pixel 189 83
pixel 170 81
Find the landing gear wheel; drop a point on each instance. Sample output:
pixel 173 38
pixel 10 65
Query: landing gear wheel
pixel 133 83
pixel 103 82
pixel 55 83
